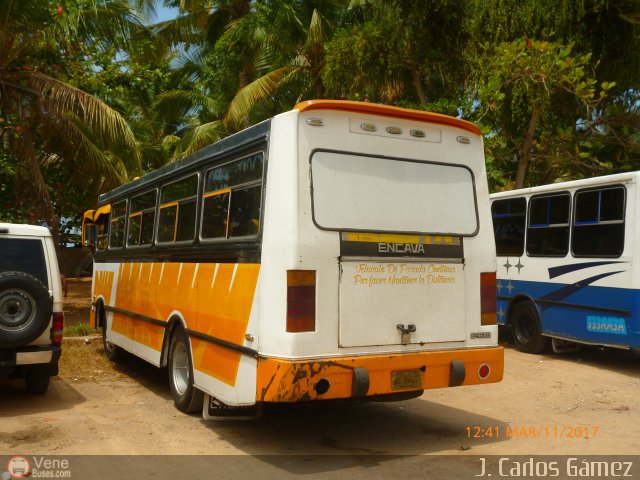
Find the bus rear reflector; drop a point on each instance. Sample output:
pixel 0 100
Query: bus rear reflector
pixel 488 298
pixel 56 329
pixel 484 371
pixel 301 301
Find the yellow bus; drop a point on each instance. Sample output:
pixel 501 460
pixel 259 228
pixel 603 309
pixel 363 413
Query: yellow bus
pixel 341 250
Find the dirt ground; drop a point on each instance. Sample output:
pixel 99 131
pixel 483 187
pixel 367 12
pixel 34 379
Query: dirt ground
pixel 578 404
pixel 77 303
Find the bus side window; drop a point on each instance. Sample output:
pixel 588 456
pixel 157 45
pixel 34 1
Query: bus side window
pixel 245 212
pixel 102 227
pixel 142 218
pixel 548 227
pixel 117 224
pixel 509 225
pixel 232 200
pixel 186 225
pixel 215 214
pixel 177 220
pixel 167 222
pixel 88 234
pixel 598 226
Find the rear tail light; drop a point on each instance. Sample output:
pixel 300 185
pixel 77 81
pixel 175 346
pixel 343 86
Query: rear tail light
pixel 301 300
pixel 488 298
pixel 56 329
pixel 484 371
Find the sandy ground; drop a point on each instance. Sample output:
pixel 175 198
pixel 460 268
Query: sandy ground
pixel 77 303
pixel 577 404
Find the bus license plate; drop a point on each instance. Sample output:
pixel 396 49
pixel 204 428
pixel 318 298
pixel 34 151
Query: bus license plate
pixel 406 379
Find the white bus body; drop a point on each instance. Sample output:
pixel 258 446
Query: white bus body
pixel 359 277
pixel 566 265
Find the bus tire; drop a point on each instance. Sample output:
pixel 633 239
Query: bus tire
pixel 112 351
pixel 526 329
pixel 25 309
pixel 186 397
pixel 37 379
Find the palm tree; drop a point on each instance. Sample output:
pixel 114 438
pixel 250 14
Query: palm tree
pixel 249 61
pixel 44 118
pixel 292 54
pixel 196 102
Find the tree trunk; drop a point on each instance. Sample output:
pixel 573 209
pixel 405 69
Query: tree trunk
pixel 418 86
pixel 27 152
pixel 319 88
pixel 525 152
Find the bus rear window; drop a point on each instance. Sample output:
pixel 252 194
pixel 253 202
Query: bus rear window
pixel 357 192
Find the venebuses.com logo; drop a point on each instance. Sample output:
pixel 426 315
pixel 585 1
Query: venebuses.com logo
pixel 38 467
pixel 17 467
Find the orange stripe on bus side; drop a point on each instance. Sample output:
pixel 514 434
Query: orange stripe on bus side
pixel 102 285
pixel 224 306
pixel 213 299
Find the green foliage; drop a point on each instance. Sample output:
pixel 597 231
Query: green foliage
pixel 541 98
pixel 553 84
pixel 55 132
pixel 399 53
pixel 79 330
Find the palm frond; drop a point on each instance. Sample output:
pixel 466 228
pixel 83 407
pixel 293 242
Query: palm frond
pixel 103 23
pixel 316 34
pixel 186 29
pixel 59 98
pixel 199 137
pixel 258 90
pixel 178 103
pixel 89 158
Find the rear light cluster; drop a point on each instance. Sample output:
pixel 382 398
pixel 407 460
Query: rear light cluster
pixel 488 298
pixel 56 329
pixel 301 301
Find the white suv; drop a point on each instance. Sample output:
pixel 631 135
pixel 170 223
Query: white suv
pixel 31 317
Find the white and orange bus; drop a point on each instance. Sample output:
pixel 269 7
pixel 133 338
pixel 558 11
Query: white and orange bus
pixel 339 250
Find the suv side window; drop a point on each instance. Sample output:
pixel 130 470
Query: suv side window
pixel 24 255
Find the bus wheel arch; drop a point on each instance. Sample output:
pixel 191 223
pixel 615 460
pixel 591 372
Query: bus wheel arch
pixel 112 351
pixel 175 321
pixel 179 360
pixel 100 313
pixel 526 326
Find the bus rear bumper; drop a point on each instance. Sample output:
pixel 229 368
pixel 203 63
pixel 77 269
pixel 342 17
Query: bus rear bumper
pixel 368 377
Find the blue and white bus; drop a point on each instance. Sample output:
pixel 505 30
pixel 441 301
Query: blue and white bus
pixel 566 269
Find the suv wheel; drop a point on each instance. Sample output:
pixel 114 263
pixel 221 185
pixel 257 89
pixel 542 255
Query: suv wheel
pixel 37 379
pixel 25 308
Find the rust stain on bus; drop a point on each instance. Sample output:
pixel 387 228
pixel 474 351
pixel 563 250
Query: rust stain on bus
pixel 296 381
pixel 291 381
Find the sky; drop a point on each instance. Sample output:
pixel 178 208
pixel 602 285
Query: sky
pixel 165 13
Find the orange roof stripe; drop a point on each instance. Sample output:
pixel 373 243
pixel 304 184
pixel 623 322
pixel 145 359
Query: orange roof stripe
pixel 387 110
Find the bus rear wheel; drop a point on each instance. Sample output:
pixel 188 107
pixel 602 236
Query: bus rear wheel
pixel 186 397
pixel 526 329
pixel 113 352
